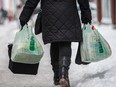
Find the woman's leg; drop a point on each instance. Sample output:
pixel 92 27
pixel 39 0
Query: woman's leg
pixel 60 60
pixel 64 62
pixel 54 53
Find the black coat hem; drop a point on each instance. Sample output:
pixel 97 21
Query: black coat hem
pixel 47 42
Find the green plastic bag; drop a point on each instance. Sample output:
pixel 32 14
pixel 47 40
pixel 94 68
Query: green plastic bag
pixel 26 48
pixel 94 47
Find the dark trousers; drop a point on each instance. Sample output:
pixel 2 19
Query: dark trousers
pixel 58 51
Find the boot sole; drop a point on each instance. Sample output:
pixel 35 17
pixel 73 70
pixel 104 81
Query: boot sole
pixel 63 83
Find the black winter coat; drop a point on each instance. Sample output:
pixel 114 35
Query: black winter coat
pixel 59 18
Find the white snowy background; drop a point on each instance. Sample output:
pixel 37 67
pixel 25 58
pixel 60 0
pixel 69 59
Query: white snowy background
pixel 99 74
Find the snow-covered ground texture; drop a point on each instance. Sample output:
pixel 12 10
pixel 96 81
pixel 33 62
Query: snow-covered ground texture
pixel 99 74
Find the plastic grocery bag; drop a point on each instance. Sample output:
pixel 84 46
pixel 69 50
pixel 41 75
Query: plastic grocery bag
pixel 26 48
pixel 94 47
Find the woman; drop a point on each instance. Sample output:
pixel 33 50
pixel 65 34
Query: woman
pixel 60 26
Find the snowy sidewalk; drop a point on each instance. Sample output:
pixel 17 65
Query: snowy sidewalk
pixel 99 74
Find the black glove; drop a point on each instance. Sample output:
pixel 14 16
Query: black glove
pixel 22 23
pixel 86 21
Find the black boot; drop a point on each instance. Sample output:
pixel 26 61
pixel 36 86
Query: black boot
pixel 64 64
pixel 54 53
pixel 56 78
pixel 56 73
pixel 64 81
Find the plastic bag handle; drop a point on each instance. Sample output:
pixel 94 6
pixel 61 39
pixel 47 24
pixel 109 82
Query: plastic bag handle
pixel 23 26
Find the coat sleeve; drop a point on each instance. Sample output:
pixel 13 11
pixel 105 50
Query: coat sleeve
pixel 28 9
pixel 85 11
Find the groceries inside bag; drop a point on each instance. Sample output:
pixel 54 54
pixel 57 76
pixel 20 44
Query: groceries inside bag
pixel 94 47
pixel 26 48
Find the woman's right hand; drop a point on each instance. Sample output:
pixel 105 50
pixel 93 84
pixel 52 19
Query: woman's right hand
pixel 22 23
